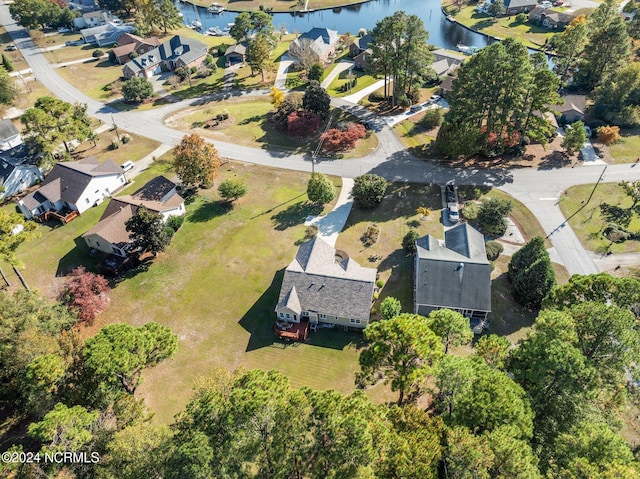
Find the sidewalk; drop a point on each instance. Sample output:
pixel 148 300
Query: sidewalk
pixel 330 225
pixel 281 76
pixel 339 68
pixel 356 97
pixel 144 163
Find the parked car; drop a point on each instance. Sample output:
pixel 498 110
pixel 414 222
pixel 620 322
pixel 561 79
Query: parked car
pixel 11 48
pixel 454 215
pixel 435 98
pixel 74 43
pixel 415 108
pixel 127 165
pixel 63 30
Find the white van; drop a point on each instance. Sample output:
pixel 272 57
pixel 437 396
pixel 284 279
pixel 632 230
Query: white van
pixel 127 165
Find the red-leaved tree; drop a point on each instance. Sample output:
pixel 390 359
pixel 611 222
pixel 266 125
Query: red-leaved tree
pixel 86 293
pixel 301 123
pixel 338 140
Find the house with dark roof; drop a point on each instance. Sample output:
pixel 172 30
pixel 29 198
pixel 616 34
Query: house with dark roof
pixel 324 285
pixel 513 7
pixel 74 186
pixel 129 45
pixel 9 135
pixel 110 234
pixel 361 52
pixel 445 62
pixel 453 274
pixel 549 18
pixel 320 43
pixel 176 52
pixel 236 53
pixel 573 108
pixel 18 170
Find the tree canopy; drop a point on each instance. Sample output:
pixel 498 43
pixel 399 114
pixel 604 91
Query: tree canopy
pixel 400 54
pixel 119 353
pixel 147 231
pixel 497 100
pixel 531 274
pixel 401 349
pixel 320 189
pixel 196 161
pixel 52 121
pixel 137 89
pixel 14 231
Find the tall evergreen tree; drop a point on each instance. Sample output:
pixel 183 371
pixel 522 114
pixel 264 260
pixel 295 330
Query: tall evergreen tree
pixel 569 46
pixel 493 101
pixel 400 53
pixel 531 274
pixel 609 46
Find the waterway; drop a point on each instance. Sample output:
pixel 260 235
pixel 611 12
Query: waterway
pixel 442 32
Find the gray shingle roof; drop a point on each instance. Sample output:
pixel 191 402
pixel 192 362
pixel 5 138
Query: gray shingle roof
pixel 67 181
pixel 177 47
pixel 315 281
pixel 7 130
pixel 456 274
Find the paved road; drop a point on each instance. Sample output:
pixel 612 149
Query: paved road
pixel 538 189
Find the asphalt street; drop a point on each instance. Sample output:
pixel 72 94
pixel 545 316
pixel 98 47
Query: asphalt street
pixel 539 189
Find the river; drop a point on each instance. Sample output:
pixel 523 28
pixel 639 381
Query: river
pixel 442 33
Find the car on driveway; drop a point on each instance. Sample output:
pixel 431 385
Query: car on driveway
pixel 415 108
pixel 435 98
pixel 127 165
pixel 12 48
pixel 454 216
pixel 74 43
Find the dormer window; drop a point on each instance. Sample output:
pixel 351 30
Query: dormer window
pixel 152 58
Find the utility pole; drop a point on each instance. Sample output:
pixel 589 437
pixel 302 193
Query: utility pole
pixel 115 127
pixel 314 155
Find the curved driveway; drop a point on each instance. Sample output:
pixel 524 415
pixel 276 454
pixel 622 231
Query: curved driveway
pixel 540 190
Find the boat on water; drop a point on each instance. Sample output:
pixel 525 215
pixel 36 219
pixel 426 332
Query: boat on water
pixel 215 8
pixel 467 49
pixel 214 32
pixel 196 24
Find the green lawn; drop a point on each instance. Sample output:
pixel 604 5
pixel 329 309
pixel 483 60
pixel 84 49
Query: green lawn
pixel 627 150
pixel 503 27
pixel 415 138
pixel 17 60
pixel 92 77
pixel 362 81
pixel 589 222
pixel 137 148
pixel 247 125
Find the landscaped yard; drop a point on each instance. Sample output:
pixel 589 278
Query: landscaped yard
pixel 247 125
pixel 17 60
pixel 216 287
pixel 503 27
pixel 137 148
pixel 589 223
pixel 362 82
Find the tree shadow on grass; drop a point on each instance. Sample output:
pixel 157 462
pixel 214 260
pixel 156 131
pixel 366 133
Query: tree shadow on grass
pixel 252 119
pixel 209 210
pixel 79 255
pixel 295 214
pixel 507 316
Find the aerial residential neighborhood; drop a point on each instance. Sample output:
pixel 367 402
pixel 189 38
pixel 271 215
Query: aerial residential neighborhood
pixel 312 239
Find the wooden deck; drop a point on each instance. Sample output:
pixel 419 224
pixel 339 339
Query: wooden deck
pixel 292 331
pixel 64 217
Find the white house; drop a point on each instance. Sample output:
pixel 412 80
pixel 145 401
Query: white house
pixel 94 19
pixel 110 234
pixel 18 170
pixel 323 285
pixel 74 186
pixel 9 135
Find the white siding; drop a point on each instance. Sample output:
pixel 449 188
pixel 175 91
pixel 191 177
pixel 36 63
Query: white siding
pixel 179 211
pixel 98 189
pixel 98 242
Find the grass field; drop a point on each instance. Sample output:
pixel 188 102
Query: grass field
pixel 137 148
pixel 589 222
pixel 92 76
pixel 248 126
pixel 415 138
pixel 627 150
pixel 17 60
pixel 503 27
pixel 362 82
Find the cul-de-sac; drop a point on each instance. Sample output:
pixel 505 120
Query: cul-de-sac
pixel 300 239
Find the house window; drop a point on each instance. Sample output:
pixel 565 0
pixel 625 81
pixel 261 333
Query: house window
pixel 304 313
pixel 288 315
pixel 97 243
pixel 354 321
pixel 87 200
pixel 282 315
pixel 322 316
